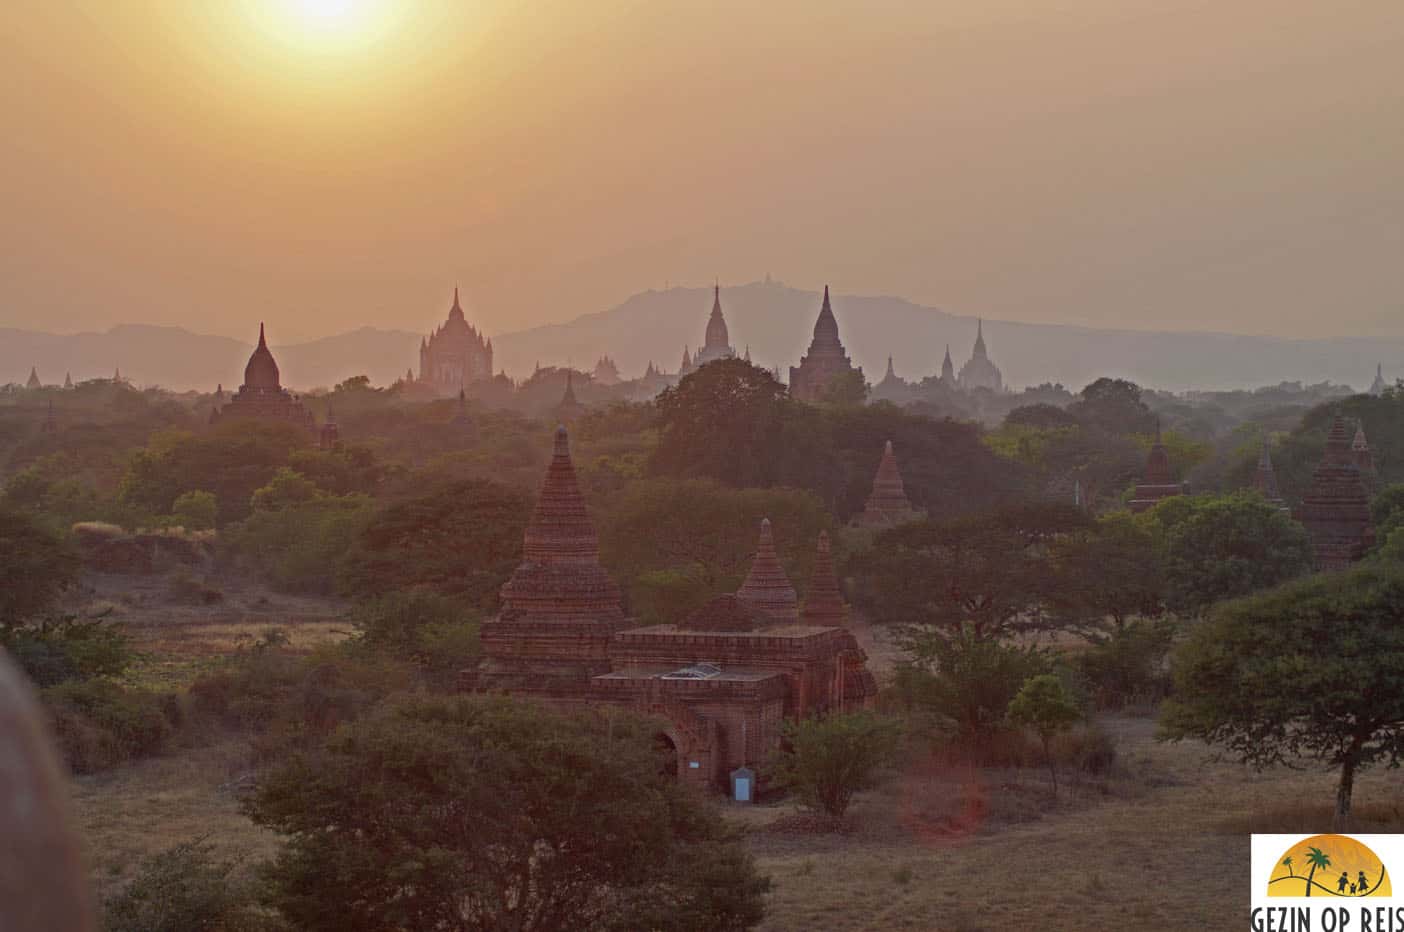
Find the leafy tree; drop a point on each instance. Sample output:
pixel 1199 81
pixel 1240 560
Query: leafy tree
pixel 695 538
pixel 1113 574
pixel 990 575
pixel 965 683
pixel 1041 416
pixel 35 567
pixel 1222 547
pixel 721 421
pixel 286 489
pixel 462 539
pixel 299 546
pixel 183 888
pixel 481 814
pixel 1287 863
pixel 1309 669
pixel 828 760
pixel 432 630
pixel 1114 405
pixel 1387 515
pixel 229 461
pixel 194 511
pixel 1045 705
pixel 845 389
pixel 56 651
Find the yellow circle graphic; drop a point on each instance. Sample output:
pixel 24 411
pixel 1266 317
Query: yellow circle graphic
pixel 1329 866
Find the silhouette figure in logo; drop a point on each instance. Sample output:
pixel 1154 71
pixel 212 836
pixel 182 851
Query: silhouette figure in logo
pixel 1352 889
pixel 1343 882
pixel 1363 883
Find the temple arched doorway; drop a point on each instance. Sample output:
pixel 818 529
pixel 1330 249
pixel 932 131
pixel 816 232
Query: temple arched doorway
pixel 666 752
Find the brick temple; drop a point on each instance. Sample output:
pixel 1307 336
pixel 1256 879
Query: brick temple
pixel 888 505
pixel 262 396
pixel 720 683
pixel 825 359
pixel 1336 507
pixel 1159 481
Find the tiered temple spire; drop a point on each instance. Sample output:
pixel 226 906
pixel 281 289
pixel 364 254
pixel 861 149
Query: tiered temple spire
pixel 825 359
pixel 560 576
pixel 1265 478
pixel 888 504
pixel 717 342
pixel 33 379
pixel 823 603
pixel 1336 507
pixel 767 587
pixel 1159 480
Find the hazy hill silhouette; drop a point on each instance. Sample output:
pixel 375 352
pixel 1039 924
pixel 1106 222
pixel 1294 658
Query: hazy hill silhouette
pixel 774 320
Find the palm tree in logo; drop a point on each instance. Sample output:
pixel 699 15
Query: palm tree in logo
pixel 1316 858
pixel 1287 863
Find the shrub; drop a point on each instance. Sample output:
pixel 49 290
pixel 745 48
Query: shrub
pixel 1044 704
pixel 186 888
pixel 291 699
pixel 1129 665
pixel 99 724
pixel 968 684
pixel 435 632
pixel 827 760
pixel 54 652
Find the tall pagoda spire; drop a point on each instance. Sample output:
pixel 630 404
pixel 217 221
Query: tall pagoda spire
pixel 560 573
pixel 1336 506
pixel 948 368
pixel 68 380
pixel 980 351
pixel 823 604
pixel 1265 477
pixel 33 379
pixel 766 586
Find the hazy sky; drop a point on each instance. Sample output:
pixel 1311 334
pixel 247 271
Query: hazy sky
pixel 1227 164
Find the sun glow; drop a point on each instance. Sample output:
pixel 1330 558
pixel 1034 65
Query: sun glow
pixel 328 25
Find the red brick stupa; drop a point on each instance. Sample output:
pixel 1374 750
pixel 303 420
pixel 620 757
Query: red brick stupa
pixel 888 504
pixel 767 587
pixel 1160 483
pixel 560 608
pixel 1336 508
pixel 823 604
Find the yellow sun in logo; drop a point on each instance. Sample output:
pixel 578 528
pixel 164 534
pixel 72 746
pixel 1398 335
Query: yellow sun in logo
pixel 1330 866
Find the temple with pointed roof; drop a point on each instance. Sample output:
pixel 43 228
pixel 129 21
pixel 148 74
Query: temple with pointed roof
pixel 887 505
pixel 455 355
pixel 33 381
pixel 569 408
pixel 1336 507
pixel 1159 481
pixel 948 376
pixel 1265 478
pixel 1364 459
pixel 262 396
pixel 606 372
pixel 825 359
pixel 686 367
pixel 1378 386
pixel 717 343
pixel 892 387
pixel 980 372
pixel 720 683
pixel 68 380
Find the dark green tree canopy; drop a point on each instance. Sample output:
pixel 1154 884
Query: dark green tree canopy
pixel 35 567
pixel 993 574
pixel 721 421
pixel 1309 670
pixel 463 814
pixel 1223 547
pixel 463 538
pixel 1113 405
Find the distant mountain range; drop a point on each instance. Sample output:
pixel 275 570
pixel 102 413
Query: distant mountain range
pixel 775 321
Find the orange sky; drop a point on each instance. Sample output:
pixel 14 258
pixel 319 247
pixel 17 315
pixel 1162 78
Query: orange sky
pixel 1220 164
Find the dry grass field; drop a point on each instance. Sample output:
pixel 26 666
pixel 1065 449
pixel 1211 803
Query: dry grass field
pixel 1159 843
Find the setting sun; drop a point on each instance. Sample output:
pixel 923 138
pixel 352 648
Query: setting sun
pixel 327 24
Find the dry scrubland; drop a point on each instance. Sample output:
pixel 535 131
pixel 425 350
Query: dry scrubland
pixel 1160 843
